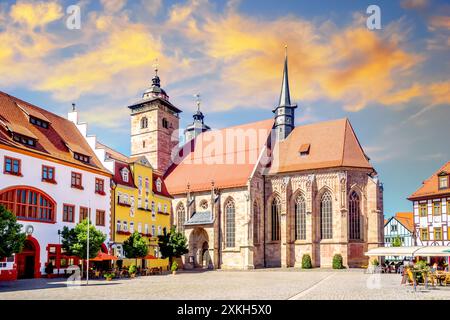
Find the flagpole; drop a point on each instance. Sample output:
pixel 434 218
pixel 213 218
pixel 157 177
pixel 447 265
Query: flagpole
pixel 88 225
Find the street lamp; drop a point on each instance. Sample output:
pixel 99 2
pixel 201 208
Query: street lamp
pixel 60 249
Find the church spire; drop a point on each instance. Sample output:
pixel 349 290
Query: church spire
pixel 284 112
pixel 285 96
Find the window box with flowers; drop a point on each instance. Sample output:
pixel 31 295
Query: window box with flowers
pixel 163 213
pixel 123 232
pixel 123 204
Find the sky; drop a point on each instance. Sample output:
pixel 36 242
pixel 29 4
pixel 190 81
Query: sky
pixel 392 83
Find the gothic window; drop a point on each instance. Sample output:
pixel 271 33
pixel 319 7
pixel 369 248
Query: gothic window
pixel 354 216
pixel 326 216
pixel 300 218
pixel 275 219
pixel 165 123
pixel 181 217
pixel 255 222
pixel 229 223
pixel 144 123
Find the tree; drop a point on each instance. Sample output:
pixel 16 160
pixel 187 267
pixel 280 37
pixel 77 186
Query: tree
pixel 172 244
pixel 135 246
pixel 11 239
pixel 397 242
pixel 74 241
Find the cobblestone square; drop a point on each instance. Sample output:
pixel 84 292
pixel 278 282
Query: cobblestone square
pixel 270 284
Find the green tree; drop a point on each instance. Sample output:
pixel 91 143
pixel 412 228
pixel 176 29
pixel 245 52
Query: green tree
pixel 306 261
pixel 397 242
pixel 11 239
pixel 135 246
pixel 172 244
pixel 74 241
pixel 337 261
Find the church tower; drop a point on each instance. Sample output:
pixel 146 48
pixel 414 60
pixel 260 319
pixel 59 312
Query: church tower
pixel 154 126
pixel 198 126
pixel 284 113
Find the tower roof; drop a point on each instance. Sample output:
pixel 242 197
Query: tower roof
pixel 285 96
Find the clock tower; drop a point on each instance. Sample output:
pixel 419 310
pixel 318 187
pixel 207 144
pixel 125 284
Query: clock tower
pixel 154 126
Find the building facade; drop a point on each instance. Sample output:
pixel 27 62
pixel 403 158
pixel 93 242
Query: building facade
pixel 264 194
pixel 51 178
pixel 431 204
pixel 139 199
pixel 400 226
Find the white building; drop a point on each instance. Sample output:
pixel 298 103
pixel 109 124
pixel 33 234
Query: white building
pixel 51 178
pixel 431 203
pixel 402 226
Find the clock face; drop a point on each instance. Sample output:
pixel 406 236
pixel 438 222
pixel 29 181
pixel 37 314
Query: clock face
pixel 29 230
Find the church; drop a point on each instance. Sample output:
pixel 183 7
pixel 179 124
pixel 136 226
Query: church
pixel 262 194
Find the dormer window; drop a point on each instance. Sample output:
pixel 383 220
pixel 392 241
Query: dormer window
pixel 125 175
pixel 39 122
pixel 443 181
pixel 158 185
pixel 304 149
pixel 81 157
pixel 24 140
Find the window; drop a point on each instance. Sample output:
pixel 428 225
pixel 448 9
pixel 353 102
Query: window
pixel 424 234
pixel 423 209
pixel 153 210
pixel 229 223
pixel 28 204
pixel 144 123
pixel 159 207
pixel 146 204
pixel 132 227
pixel 147 184
pixel 437 208
pixel 140 184
pixel 275 219
pixel 48 174
pixel 159 230
pixel 140 227
pixel 326 216
pixel 354 217
pixel 300 218
pixel 125 175
pixel 165 208
pixel 146 229
pixel 99 186
pixel 443 182
pixel 125 226
pixel 83 213
pixel 76 180
pixel 100 218
pixel 158 185
pixel 437 233
pixel 139 202
pixel 153 230
pixel 39 122
pixel 118 225
pixel 165 123
pixel 12 166
pixel 180 217
pixel 255 222
pixel 393 228
pixel 24 140
pixel 81 157
pixel 143 143
pixel 304 149
pixel 68 213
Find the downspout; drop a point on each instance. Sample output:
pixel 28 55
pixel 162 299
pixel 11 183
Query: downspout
pixel 264 224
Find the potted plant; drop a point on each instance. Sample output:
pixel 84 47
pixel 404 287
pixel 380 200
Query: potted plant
pixel 337 262
pixel 174 267
pixel 108 276
pixel 132 271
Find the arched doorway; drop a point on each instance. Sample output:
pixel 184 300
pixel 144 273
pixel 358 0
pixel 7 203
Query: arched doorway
pixel 199 247
pixel 27 261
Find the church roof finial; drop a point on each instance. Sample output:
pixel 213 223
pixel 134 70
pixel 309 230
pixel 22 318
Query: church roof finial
pixel 73 106
pixel 197 96
pixel 285 96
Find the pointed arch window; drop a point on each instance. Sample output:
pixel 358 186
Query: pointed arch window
pixel 326 216
pixel 181 216
pixel 255 222
pixel 354 216
pixel 230 223
pixel 275 219
pixel 300 218
pixel 144 123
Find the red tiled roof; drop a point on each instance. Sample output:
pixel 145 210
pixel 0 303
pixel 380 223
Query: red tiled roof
pixel 164 192
pixel 203 165
pixel 331 144
pixel 52 142
pixel 406 219
pixel 430 187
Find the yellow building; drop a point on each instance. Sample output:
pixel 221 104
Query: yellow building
pixel 140 202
